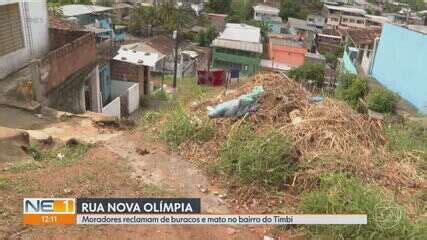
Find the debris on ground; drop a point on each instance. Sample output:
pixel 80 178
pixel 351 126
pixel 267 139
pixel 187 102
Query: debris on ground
pixel 328 134
pixel 142 151
pixel 237 107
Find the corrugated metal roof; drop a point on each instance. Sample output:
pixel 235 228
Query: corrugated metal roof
pixel 301 24
pixel 241 32
pixel 266 9
pixel 79 9
pixel 346 9
pixel 239 45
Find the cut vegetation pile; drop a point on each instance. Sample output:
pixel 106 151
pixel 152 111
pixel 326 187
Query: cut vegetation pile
pixel 328 136
pixel 296 154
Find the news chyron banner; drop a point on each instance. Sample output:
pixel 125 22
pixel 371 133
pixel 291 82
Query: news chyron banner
pixel 155 211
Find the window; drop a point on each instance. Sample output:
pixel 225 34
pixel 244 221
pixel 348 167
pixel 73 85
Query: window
pixel 360 21
pixel 11 38
pixel 352 20
pixel 344 20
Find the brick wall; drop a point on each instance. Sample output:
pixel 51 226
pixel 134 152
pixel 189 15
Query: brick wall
pixel 61 63
pixel 60 37
pixel 129 72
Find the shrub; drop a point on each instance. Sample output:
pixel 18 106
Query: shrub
pixel 180 127
pixel 382 100
pixel 309 71
pixel 351 88
pixel 160 95
pixel 266 159
pixel 340 194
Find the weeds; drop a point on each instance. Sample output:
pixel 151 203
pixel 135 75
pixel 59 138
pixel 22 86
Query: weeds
pixel 160 95
pixel 410 137
pixel 351 88
pixel 340 194
pixel 35 152
pixel 153 190
pixel 382 100
pixel 66 155
pixel 24 166
pixel 267 159
pixel 180 127
pixel 4 182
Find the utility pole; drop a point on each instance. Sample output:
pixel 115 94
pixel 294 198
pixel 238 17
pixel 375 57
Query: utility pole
pixel 176 37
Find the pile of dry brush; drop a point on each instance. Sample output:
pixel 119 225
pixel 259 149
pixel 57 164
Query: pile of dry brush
pixel 329 134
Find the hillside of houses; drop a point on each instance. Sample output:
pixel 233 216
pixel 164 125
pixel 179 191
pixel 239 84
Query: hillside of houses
pixel 273 108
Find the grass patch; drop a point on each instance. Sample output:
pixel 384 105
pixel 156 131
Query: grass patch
pixel 21 166
pixel 160 95
pixel 267 159
pixel 35 152
pixel 340 194
pixel 85 177
pixel 180 127
pixel 4 182
pixel 153 190
pixel 188 90
pixel 21 187
pixel 410 137
pixel 67 155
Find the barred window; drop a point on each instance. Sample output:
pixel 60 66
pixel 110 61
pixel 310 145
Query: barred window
pixel 11 38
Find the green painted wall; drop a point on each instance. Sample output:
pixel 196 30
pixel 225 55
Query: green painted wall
pixel 273 26
pixel 227 58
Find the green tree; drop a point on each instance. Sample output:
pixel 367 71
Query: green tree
pixel 241 11
pixel 143 17
pixel 202 39
pixel 309 72
pixel 219 6
pixel 289 8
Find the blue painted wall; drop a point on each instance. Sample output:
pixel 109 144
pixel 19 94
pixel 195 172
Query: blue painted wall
pixel 401 64
pixel 273 26
pixel 347 64
pixel 105 82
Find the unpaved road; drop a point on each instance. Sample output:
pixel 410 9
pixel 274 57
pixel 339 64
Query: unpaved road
pixel 166 171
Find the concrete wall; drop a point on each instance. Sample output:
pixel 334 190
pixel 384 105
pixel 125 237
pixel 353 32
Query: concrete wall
pixel 70 95
pixel 64 61
pixel 133 98
pixel 113 108
pixel 128 92
pixel 34 19
pixel 400 64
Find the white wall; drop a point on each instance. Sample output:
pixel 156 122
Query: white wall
pixel 133 98
pixel 113 108
pixel 130 89
pixel 34 19
pixel 119 88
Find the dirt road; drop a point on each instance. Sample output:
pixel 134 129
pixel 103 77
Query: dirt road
pixel 117 165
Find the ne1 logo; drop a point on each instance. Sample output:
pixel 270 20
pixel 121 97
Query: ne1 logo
pixel 50 205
